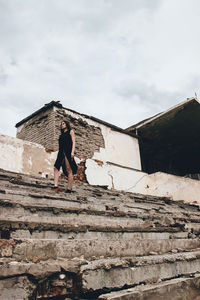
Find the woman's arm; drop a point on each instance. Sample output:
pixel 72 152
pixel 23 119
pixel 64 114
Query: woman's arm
pixel 73 142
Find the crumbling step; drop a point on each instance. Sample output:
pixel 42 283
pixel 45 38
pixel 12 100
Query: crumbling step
pixel 12 204
pixel 127 207
pixel 91 235
pixel 89 215
pixel 86 195
pixel 107 274
pixel 76 224
pixel 16 288
pixel 118 203
pixel 26 182
pixel 117 273
pixel 20 180
pixel 55 249
pixel 41 201
pixel 35 280
pixel 38 269
pixel 176 289
pixel 31 201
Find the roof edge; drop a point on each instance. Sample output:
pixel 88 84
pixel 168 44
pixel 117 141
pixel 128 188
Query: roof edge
pixel 45 107
pixel 148 120
pixel 59 105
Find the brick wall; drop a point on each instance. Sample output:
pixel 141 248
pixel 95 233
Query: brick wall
pixel 40 129
pixel 44 129
pixel 89 138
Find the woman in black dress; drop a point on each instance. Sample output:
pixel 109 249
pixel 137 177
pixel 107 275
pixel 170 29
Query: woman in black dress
pixel 65 157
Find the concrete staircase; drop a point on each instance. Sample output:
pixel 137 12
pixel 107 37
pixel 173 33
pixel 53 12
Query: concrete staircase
pixel 95 243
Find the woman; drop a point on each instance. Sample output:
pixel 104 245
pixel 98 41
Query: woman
pixel 65 157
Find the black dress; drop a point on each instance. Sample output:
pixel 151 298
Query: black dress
pixel 65 149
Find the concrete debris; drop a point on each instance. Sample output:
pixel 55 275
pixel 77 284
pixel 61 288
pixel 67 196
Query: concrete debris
pixel 75 247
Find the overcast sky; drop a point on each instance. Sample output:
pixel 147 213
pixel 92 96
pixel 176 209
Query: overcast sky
pixel 118 60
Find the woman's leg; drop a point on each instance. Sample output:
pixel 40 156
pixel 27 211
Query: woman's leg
pixel 56 176
pixel 70 175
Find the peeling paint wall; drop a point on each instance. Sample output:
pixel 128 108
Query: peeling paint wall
pixel 93 139
pixel 179 188
pixel 11 151
pixel 97 141
pixel 120 149
pixel 158 184
pixel 100 143
pixel 98 174
pixel 25 157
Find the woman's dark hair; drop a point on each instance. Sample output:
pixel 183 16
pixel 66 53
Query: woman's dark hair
pixel 67 125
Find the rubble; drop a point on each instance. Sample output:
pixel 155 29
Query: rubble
pixel 94 243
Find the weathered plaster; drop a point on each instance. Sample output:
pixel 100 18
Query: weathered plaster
pixel 97 175
pixel 179 188
pixel 158 184
pixel 129 180
pixel 41 161
pixel 25 157
pixel 120 148
pixel 11 150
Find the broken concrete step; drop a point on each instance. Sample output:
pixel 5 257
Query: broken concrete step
pixel 30 201
pixel 54 249
pixel 37 268
pixel 111 273
pixel 117 273
pixel 80 196
pixel 121 201
pixel 33 202
pixel 18 180
pixel 79 223
pixel 179 288
pixel 10 201
pixel 118 205
pixel 93 235
pixel 13 177
pixel 16 288
pixel 35 280
pixel 54 220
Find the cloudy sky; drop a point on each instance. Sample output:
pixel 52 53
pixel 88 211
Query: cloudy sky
pixel 118 60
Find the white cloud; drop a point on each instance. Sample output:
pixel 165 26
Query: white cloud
pixel 121 61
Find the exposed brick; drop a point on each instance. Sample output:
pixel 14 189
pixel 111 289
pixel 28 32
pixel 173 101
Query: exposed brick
pixel 45 130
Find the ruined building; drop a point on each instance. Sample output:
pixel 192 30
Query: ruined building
pixel 169 141
pixel 157 156
pixel 131 228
